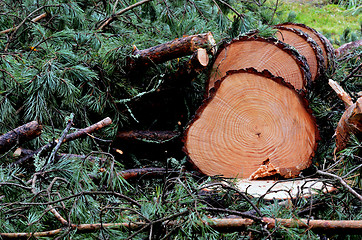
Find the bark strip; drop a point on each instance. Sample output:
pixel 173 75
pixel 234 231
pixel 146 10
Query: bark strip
pixel 19 135
pixel 147 135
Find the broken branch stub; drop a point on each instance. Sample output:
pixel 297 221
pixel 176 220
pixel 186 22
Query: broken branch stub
pixel 254 125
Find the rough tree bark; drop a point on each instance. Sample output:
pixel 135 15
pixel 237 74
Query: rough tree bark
pixel 323 42
pixel 254 125
pixel 171 50
pixel 305 46
pixel 19 135
pixel 260 53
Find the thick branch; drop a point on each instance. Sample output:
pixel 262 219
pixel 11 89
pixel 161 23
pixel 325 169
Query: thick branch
pixel 19 135
pixel 171 50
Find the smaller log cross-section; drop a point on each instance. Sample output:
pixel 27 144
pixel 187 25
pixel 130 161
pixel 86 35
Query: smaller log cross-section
pixel 260 53
pixel 323 42
pixel 253 125
pixel 305 46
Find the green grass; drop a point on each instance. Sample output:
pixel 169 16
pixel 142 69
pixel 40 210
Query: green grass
pixel 331 20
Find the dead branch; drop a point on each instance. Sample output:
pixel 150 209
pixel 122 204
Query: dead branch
pixel 352 73
pixel 113 17
pixel 341 226
pixel 343 95
pixel 343 183
pixel 70 137
pixel 149 172
pixel 153 136
pixel 19 135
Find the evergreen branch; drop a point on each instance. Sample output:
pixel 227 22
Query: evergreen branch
pixel 110 19
pixel 352 73
pixel 84 193
pixel 344 184
pixel 232 9
pixel 34 20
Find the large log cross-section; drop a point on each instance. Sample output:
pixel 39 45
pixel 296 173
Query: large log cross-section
pixel 253 126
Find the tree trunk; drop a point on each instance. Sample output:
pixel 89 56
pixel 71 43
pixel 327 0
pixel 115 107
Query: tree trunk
pixel 305 46
pixel 171 50
pixel 19 135
pixel 254 125
pixel 260 53
pixel 323 42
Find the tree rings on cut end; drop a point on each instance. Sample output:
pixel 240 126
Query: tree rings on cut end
pixel 323 42
pixel 254 125
pixel 305 46
pixel 260 53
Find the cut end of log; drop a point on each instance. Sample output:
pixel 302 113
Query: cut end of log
pixel 203 57
pixel 260 53
pixel 254 125
pixel 323 42
pixel 305 46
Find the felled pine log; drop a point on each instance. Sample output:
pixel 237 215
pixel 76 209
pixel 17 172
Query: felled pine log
pixel 19 135
pixel 305 46
pixel 260 53
pixel 253 125
pixel 323 42
pixel 171 50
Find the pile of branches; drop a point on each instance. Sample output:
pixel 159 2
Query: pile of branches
pixel 66 173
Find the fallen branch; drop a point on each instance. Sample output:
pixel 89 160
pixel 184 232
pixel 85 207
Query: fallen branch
pixel 236 224
pixel 70 137
pixel 19 135
pixel 347 47
pixel 147 136
pixel 149 172
pixel 113 17
pixel 352 73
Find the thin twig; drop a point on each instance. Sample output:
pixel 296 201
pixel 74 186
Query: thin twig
pixel 352 73
pixel 110 19
pixel 350 189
